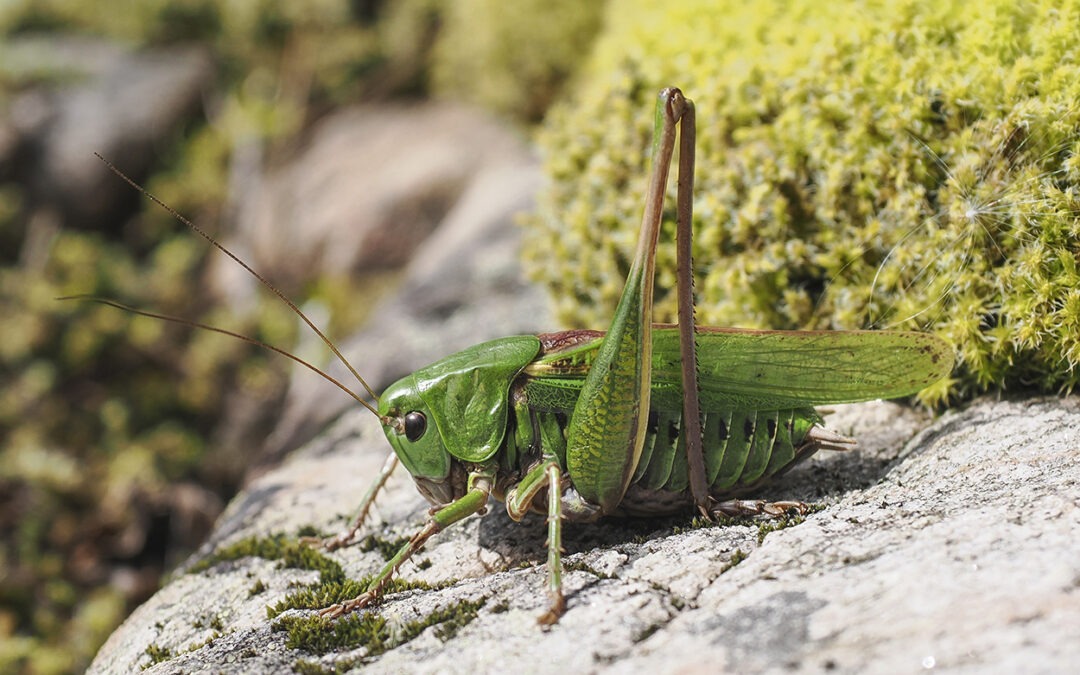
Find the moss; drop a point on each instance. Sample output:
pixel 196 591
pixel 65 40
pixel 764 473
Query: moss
pixel 370 630
pixel 290 552
pixel 766 527
pixel 700 522
pixel 205 643
pixel 305 667
pixel 318 596
pixel 310 531
pixel 457 617
pixel 386 548
pixel 582 566
pixel 737 557
pixel 332 586
pixel 908 165
pixel 158 654
pixel 258 587
pixel 326 593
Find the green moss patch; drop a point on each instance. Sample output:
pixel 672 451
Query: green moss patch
pixel 370 630
pixel 386 547
pixel 737 557
pixel 158 654
pixel 290 552
pixel 766 527
pixel 326 593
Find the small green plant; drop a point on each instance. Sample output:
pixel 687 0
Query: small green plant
pixel 737 557
pixel 371 630
pixel 158 654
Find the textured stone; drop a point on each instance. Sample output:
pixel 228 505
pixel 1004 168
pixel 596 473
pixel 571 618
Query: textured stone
pixel 955 550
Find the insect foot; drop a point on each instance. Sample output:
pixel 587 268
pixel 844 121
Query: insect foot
pixel 758 507
pixel 339 540
pixel 342 608
pixel 821 438
pixel 551 616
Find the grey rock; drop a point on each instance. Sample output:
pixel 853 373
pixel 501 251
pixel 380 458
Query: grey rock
pixel 951 547
pixel 369 185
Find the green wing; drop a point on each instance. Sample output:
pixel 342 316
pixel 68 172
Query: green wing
pixel 751 369
pixel 780 369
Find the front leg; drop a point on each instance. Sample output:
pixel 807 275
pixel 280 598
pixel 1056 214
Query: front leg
pixel 473 501
pixel 554 547
pixel 346 537
pixel 519 501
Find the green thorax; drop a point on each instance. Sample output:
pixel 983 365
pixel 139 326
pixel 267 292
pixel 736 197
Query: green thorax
pixel 464 398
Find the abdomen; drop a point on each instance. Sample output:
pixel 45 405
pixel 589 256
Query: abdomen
pixel 743 449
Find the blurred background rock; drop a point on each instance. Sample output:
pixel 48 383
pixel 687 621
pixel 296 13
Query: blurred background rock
pixel 290 130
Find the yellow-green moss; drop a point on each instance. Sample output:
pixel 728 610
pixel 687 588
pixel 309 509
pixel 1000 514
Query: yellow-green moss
pixel 332 591
pixel 512 57
pixel 737 557
pixel 899 164
pixel 766 527
pixel 290 552
pixel 158 654
pixel 371 630
pixel 386 547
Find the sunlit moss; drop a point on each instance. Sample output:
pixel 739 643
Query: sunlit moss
pixel 512 57
pixel 371 630
pixel 902 165
pixel 290 552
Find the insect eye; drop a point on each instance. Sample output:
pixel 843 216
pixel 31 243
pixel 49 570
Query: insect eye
pixel 415 426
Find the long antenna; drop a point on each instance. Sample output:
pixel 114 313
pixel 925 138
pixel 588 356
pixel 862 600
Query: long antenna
pixel 175 214
pixel 238 336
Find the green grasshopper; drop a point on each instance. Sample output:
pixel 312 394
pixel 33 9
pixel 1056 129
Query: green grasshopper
pixel 642 419
pixel 585 424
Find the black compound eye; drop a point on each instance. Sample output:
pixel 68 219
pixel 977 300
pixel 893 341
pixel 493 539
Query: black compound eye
pixel 415 426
